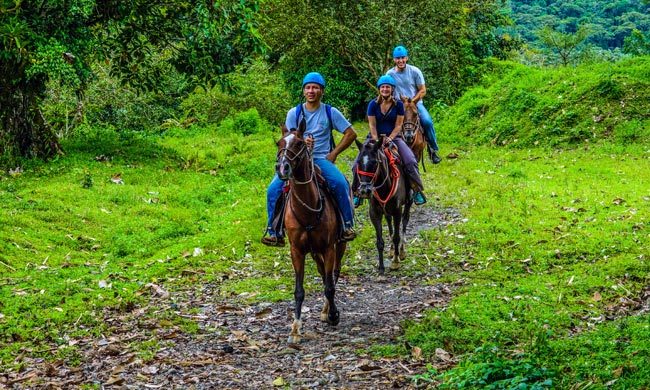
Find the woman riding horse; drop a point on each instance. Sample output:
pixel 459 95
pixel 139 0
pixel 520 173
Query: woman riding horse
pixel 385 117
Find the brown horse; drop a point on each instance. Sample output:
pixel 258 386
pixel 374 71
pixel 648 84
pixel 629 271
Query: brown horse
pixel 311 224
pixel 385 184
pixel 412 130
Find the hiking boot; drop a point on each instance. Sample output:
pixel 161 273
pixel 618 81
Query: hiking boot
pixel 419 198
pixel 273 241
pixel 433 155
pixel 348 234
pixel 357 201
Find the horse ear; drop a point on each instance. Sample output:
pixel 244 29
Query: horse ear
pixel 302 127
pixel 403 98
pixel 359 144
pixel 378 143
pixel 284 130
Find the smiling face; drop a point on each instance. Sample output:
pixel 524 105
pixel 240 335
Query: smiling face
pixel 313 92
pixel 400 62
pixel 386 90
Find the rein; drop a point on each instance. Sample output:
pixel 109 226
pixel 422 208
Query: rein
pixel 392 171
pixel 298 157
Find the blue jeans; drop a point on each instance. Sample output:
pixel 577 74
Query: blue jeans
pixel 427 124
pixel 336 182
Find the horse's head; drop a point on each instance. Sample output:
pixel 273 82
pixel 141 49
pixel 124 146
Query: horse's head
pixel 368 166
pixel 411 120
pixel 292 149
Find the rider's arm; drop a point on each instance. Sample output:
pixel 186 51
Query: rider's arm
pixel 349 135
pixel 422 90
pixel 372 124
pixel 398 127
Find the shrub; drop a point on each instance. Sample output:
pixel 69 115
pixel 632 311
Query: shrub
pixel 246 122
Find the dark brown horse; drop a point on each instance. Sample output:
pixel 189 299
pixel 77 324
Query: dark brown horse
pixel 385 184
pixel 412 130
pixel 311 224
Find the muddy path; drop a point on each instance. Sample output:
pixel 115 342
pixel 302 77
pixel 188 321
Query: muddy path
pixel 235 346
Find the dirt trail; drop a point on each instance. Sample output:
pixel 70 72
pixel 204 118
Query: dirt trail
pixel 242 347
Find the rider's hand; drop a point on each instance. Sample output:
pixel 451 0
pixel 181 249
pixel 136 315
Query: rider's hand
pixel 331 157
pixel 387 140
pixel 310 141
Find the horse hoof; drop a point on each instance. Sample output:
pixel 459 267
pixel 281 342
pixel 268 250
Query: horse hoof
pixel 402 255
pixel 323 317
pixel 394 266
pixel 293 339
pixel 334 319
pixel 381 270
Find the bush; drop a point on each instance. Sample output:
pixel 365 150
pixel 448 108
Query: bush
pixel 246 122
pixel 255 86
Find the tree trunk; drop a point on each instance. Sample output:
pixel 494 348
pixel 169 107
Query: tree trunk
pixel 24 131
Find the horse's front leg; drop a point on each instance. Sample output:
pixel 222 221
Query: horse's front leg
pixel 397 219
pixel 298 261
pixel 376 217
pixel 406 217
pixel 330 286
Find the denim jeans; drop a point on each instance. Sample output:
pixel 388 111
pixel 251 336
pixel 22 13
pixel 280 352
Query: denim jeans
pixel 427 124
pixel 336 182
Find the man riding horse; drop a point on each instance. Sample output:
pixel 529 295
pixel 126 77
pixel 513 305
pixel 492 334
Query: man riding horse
pixel 410 83
pixel 320 119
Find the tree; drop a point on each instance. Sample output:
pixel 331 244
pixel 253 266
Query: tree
pixel 565 44
pixel 55 39
pixel 352 40
pixel 637 44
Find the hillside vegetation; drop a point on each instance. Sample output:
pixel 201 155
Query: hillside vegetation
pixel 610 22
pixel 524 106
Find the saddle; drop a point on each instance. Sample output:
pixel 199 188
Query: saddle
pixel 280 206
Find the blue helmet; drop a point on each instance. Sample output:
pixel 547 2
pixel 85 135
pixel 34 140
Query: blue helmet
pixel 400 51
pixel 314 77
pixel 386 79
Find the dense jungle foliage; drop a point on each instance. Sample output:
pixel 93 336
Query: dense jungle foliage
pixel 610 22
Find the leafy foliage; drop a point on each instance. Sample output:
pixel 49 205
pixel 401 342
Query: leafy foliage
pixel 139 39
pixel 353 40
pixel 609 21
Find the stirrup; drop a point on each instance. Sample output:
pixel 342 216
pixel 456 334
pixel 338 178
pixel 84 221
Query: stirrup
pixel 274 241
pixel 357 201
pixel 348 234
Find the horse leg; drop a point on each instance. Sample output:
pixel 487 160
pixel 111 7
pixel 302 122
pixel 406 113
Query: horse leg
pixel 330 286
pixel 389 223
pixel 406 216
pixel 397 219
pixel 298 261
pixel 375 217
pixel 320 264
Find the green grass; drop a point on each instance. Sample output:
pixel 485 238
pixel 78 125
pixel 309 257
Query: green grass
pixel 522 106
pixel 553 241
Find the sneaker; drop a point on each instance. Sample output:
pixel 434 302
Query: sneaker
pixel 357 201
pixel 419 198
pixel 348 234
pixel 433 155
pixel 273 241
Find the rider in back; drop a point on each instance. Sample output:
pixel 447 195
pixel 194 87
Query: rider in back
pixel 320 120
pixel 385 117
pixel 410 83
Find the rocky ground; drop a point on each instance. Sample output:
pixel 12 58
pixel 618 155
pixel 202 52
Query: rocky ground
pixel 242 347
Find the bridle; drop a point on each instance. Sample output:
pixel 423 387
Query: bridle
pixel 296 158
pixel 390 167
